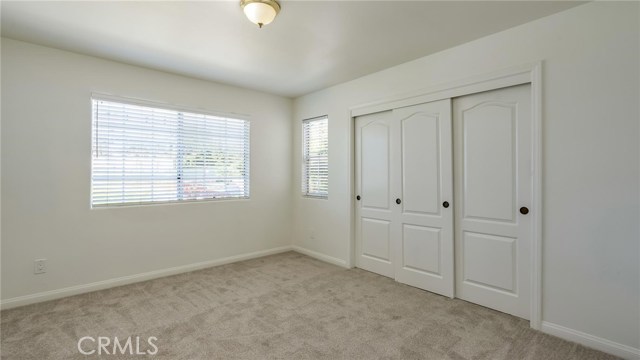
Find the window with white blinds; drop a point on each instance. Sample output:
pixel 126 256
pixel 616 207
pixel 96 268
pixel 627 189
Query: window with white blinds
pixel 315 168
pixel 143 154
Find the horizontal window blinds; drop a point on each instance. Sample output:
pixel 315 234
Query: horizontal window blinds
pixel 144 154
pixel 315 172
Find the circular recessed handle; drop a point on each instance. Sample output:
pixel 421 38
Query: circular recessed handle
pixel 398 201
pixel 524 210
pixel 358 197
pixel 445 204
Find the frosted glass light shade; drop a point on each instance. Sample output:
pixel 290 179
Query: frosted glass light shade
pixel 260 12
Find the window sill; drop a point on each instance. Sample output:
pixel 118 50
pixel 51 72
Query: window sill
pixel 156 203
pixel 315 197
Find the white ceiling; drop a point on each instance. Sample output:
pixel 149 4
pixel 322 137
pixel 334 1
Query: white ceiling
pixel 309 46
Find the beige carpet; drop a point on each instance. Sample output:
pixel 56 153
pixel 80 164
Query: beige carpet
pixel 286 306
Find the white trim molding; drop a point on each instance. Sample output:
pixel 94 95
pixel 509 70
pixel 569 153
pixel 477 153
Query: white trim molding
pixel 125 280
pixel 536 213
pixel 321 257
pixel 517 75
pixel 530 73
pixel 588 340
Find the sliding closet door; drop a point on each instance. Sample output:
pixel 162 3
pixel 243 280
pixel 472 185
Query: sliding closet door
pixel 423 234
pixel 493 185
pixel 404 191
pixel 375 212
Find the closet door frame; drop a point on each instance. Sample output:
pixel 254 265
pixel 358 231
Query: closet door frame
pixel 524 74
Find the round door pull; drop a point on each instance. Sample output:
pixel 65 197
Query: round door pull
pixel 524 210
pixel 445 204
pixel 398 201
pixel 358 197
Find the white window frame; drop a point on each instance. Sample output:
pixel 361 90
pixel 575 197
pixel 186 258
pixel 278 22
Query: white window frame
pixel 179 109
pixel 305 161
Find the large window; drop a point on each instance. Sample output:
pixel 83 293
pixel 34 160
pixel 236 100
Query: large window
pixel 143 154
pixel 315 167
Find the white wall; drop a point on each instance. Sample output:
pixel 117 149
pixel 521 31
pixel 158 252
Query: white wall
pixel 46 167
pixel 591 274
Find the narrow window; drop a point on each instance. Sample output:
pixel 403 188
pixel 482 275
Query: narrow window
pixel 143 154
pixel 315 167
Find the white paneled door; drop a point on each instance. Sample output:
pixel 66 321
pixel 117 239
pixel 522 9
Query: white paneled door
pixel 445 209
pixel 423 230
pixel 404 185
pixel 375 210
pixel 493 187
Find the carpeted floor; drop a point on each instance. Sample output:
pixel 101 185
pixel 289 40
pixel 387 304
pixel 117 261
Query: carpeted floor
pixel 286 306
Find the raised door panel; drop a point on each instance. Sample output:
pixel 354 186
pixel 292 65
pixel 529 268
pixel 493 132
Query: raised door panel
pixel 420 163
pixel 376 239
pixel 422 249
pixel 489 157
pixel 375 165
pixel 490 261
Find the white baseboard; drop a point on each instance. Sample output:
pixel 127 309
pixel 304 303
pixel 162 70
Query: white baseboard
pixel 105 284
pixel 594 342
pixel 320 256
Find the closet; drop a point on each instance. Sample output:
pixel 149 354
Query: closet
pixel 443 190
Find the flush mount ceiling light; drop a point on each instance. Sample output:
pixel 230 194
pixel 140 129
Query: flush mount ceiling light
pixel 260 12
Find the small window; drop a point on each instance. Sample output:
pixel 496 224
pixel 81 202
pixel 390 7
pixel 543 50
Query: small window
pixel 315 167
pixel 143 154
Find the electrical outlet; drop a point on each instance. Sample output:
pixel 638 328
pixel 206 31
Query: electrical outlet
pixel 40 266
